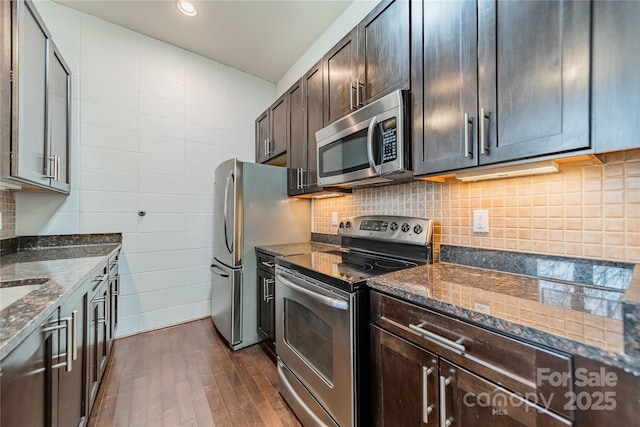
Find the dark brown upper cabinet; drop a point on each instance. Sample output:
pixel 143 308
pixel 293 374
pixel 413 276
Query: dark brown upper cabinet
pixel 296 142
pixel 615 120
pixel 307 109
pixel 36 131
pixel 369 62
pixel 271 133
pixel 496 81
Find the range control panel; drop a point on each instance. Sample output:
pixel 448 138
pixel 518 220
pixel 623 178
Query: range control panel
pixel 400 229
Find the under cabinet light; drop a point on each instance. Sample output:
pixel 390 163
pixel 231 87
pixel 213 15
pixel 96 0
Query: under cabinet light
pixel 187 7
pixel 536 168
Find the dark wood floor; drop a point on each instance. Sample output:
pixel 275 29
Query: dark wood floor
pixel 186 376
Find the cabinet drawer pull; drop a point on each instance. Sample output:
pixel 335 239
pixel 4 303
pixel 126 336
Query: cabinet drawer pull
pixel 444 421
pixel 268 264
pixel 426 408
pixel 468 152
pixel 453 345
pixel 484 116
pixel 101 278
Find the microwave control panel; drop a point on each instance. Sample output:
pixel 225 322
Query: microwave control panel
pixel 389 140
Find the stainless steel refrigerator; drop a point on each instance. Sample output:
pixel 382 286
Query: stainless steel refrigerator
pixel 251 208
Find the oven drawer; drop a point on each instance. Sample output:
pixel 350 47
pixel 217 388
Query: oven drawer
pixel 506 361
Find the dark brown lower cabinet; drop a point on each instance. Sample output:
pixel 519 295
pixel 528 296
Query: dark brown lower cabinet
pixel 51 378
pixel 266 307
pixel 469 400
pixel 404 382
pixel 26 381
pixel 415 387
pixel 98 337
pixel 71 390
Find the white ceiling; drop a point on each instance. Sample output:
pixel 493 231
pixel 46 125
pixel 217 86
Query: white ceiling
pixel 260 37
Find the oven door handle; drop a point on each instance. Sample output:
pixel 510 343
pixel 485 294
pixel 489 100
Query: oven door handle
pixel 331 302
pixel 370 141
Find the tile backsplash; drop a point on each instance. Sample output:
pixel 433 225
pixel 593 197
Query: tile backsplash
pixel 590 212
pixel 8 209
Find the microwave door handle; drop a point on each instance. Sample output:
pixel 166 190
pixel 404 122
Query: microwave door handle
pixel 370 141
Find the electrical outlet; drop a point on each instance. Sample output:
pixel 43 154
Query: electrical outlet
pixel 334 218
pixel 480 221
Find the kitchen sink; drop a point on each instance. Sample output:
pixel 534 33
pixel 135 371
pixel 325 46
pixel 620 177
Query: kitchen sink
pixel 12 290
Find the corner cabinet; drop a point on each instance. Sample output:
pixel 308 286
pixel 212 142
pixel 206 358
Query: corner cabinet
pixel 271 133
pixel 498 81
pixel 369 62
pixel 40 103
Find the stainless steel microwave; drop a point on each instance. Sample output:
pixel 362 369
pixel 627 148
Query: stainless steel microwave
pixel 369 146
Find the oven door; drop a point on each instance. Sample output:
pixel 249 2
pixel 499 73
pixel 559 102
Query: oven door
pixel 314 340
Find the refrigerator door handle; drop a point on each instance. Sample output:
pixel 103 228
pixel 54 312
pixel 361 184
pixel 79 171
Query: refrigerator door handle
pixel 218 270
pixel 230 179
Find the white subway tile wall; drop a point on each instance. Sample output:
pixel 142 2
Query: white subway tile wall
pixel 590 212
pixel 150 124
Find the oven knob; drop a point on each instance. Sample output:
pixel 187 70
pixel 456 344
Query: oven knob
pixel 394 226
pixel 341 224
pixel 417 229
pixel 405 227
pixel 348 224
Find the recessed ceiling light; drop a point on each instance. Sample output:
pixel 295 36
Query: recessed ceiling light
pixel 187 7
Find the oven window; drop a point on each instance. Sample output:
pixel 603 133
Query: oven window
pixel 345 155
pixel 311 337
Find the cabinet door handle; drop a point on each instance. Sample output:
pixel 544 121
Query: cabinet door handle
pixel 266 294
pixel 52 174
pixel 57 169
pixel 444 421
pixel 68 327
pixel 359 94
pixel 468 152
pixel 426 408
pixel 453 345
pixel 74 334
pixel 484 148
pixel 352 87
pixel 101 278
pixel 268 264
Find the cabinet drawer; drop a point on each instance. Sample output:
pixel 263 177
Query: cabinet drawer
pixel 519 367
pixel 266 262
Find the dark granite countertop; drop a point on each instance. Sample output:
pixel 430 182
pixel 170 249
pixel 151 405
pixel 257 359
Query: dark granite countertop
pixel 297 248
pixel 57 270
pixel 581 316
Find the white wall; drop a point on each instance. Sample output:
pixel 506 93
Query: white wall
pixel 345 23
pixel 150 124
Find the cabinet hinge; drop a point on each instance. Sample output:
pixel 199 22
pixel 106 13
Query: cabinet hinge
pixel 11 75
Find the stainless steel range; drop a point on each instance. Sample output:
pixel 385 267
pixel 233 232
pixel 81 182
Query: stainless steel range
pixel 322 315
